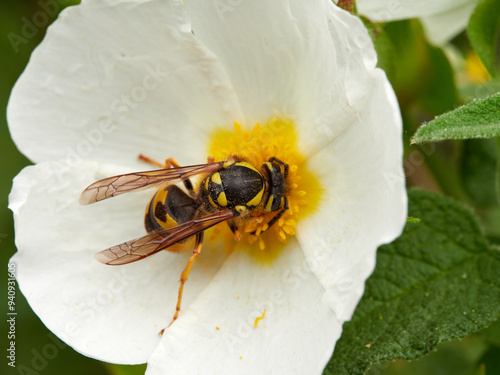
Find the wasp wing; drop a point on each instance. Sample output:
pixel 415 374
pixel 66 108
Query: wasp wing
pixel 116 185
pixel 154 242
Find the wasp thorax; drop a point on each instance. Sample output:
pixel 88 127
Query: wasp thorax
pixel 238 184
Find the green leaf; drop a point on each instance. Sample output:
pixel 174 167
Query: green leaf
pixel 479 119
pixel 482 30
pixel 438 281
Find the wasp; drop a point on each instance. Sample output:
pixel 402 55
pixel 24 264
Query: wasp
pixel 230 191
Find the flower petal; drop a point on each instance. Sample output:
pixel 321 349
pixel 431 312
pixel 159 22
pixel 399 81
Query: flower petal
pixel 113 79
pixel 391 10
pixel 109 313
pixel 289 57
pixel 219 333
pixel 365 201
pixel 442 27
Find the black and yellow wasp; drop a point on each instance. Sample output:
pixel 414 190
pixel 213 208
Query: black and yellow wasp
pixel 230 191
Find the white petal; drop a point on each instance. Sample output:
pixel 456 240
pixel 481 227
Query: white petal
pixel 442 27
pixel 391 10
pixel 289 56
pixel 109 313
pixel 217 334
pixel 364 201
pixel 113 79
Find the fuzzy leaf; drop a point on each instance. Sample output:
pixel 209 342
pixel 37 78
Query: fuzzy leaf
pixel 479 119
pixel 438 281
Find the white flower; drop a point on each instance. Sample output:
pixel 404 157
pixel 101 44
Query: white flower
pixel 116 78
pixel 442 20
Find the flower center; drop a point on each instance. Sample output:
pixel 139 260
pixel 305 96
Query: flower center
pixel 276 138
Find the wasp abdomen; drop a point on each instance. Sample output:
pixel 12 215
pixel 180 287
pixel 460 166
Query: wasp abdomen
pixel 169 207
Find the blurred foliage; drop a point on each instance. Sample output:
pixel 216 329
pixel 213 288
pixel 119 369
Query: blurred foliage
pixel 126 370
pixel 481 177
pixel 483 31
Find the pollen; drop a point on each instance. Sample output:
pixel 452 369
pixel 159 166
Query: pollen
pixel 275 138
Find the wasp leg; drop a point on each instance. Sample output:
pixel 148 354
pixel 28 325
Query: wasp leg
pixel 235 230
pixel 184 276
pixel 172 163
pixel 169 163
pixel 154 162
pixel 280 162
pixel 275 218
